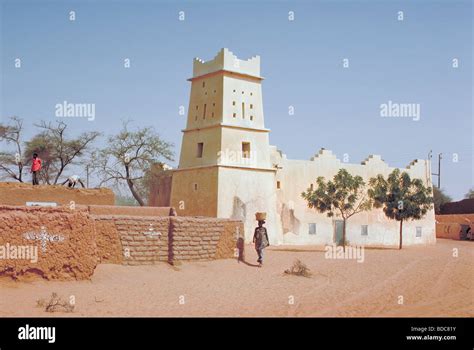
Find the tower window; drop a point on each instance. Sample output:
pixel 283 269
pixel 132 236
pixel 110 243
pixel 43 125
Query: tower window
pixel 200 148
pixel 195 185
pixel 251 106
pixel 213 105
pixel 251 94
pixel 242 92
pixel 197 107
pixel 233 103
pixel 278 185
pixel 243 110
pixel 212 115
pixel 245 149
pixel 234 91
pixel 214 91
pixel 234 115
pixel 251 117
pixel 203 84
pixel 364 230
pixel 204 112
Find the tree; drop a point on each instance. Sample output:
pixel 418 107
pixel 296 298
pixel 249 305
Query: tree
pixel 11 163
pixel 57 150
pixel 440 198
pixel 469 194
pixel 130 155
pixel 401 197
pixel 345 195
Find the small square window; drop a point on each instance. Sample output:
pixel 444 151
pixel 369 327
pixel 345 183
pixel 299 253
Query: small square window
pixel 278 185
pixel 312 228
pixel 234 91
pixel 200 148
pixel 234 115
pixel 233 103
pixel 251 94
pixel 251 117
pixel 251 106
pixel 418 231
pixel 364 230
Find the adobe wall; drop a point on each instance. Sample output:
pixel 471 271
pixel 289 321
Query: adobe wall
pixel 88 239
pixel 296 176
pixel 75 257
pixel 160 189
pixel 449 226
pixel 200 238
pixel 16 193
pixel 128 210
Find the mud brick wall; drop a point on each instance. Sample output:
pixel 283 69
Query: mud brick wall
pixel 128 210
pixel 118 239
pixel 15 193
pixel 73 258
pixel 143 240
pixel 449 226
pixel 202 238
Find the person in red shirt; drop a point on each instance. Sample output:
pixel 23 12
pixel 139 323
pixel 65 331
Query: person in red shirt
pixel 35 168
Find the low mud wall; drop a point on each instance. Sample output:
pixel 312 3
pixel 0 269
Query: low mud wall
pixel 69 243
pixel 54 243
pixel 450 226
pixel 15 193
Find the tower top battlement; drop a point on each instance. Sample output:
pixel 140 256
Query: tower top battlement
pixel 226 60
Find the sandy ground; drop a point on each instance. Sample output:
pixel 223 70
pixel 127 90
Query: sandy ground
pixel 431 281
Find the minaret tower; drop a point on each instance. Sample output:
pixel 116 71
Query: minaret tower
pixel 225 168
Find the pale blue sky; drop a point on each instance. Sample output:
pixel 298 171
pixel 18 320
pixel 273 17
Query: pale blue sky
pixel 335 108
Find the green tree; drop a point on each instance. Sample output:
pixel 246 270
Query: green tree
pixel 345 195
pixel 440 198
pixel 129 156
pixel 401 197
pixel 469 194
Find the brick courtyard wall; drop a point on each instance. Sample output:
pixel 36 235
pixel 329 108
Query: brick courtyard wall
pixel 117 239
pixel 73 258
pixel 15 193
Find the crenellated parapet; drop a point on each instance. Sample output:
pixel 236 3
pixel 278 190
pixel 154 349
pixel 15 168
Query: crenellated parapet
pixel 227 61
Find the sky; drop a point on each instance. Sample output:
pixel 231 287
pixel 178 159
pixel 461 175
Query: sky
pixel 302 61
